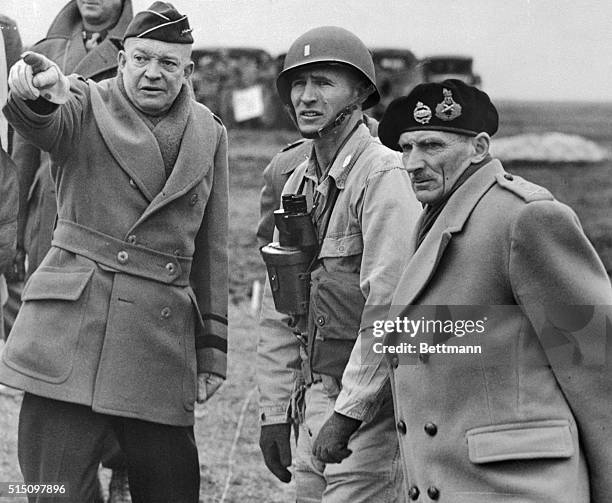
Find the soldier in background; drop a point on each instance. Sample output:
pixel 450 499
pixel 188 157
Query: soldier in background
pixel 10 49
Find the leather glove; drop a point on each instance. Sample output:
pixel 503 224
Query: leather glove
pixel 331 443
pixel 276 449
pixel 35 75
pixel 208 384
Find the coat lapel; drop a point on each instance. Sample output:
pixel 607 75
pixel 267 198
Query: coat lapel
pixel 101 59
pixel 422 265
pixel 128 138
pixel 194 160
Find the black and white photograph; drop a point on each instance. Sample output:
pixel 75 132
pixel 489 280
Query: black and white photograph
pixel 305 251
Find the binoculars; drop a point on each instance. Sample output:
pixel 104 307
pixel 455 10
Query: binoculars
pixel 289 260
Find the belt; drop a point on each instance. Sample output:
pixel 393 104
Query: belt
pixel 121 255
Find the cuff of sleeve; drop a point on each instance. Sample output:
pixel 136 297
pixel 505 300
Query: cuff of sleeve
pixel 355 409
pixel 274 414
pixel 211 360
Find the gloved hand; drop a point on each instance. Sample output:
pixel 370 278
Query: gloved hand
pixel 35 75
pixel 331 443
pixel 276 449
pixel 208 384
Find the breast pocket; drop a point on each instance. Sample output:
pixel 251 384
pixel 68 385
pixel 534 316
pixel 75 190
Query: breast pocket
pixel 44 338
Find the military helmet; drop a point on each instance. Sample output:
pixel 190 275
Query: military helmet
pixel 328 44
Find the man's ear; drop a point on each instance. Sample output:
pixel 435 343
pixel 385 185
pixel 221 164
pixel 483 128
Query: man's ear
pixel 481 143
pixel 188 71
pixel 121 59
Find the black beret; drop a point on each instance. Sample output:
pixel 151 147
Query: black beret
pixel 450 105
pixel 162 22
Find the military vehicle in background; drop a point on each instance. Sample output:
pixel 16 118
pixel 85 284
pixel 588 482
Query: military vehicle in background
pixel 397 72
pixel 442 67
pixel 236 83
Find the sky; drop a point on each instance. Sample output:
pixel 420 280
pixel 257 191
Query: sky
pixel 523 49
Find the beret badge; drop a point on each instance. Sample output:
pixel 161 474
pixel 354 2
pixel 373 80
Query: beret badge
pixel 448 109
pixel 422 113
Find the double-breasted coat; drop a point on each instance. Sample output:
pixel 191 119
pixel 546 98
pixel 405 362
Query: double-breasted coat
pixel 527 419
pixel 131 300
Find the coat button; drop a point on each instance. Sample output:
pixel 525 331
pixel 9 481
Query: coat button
pixel 177 252
pixel 320 321
pixel 508 176
pixel 431 429
pixel 193 199
pixel 171 268
pixel 131 239
pixel 122 257
pixel 413 493
pixel 401 427
pixel 133 184
pixel 433 492
pixel 263 416
pixel 166 312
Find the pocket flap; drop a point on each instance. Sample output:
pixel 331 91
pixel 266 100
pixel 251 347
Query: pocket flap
pixel 60 284
pixel 531 440
pixel 343 246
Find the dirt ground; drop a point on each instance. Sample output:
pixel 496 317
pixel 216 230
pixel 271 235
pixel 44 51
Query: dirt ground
pixel 588 189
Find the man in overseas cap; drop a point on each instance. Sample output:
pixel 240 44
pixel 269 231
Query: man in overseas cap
pixel 512 402
pixel 359 197
pixel 123 325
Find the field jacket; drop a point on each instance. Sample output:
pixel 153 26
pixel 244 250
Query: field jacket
pixel 367 236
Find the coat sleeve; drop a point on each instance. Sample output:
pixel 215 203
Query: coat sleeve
pixel 563 288
pixel 52 128
pixel 389 213
pixel 209 271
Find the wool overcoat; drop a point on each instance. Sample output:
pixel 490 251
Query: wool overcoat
pixel 131 300
pixel 529 418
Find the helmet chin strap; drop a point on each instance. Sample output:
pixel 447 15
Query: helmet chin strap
pixel 340 116
pixel 345 112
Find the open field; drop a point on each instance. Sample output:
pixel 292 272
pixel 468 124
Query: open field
pixel 588 189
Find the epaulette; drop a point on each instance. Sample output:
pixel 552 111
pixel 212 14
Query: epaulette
pixel 218 119
pixel 526 190
pixel 293 145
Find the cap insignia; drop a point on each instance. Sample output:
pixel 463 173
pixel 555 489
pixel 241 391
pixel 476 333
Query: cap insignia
pixel 307 50
pixel 422 113
pixel 448 109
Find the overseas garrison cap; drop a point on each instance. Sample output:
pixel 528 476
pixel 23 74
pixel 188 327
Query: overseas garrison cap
pixel 450 105
pixel 162 22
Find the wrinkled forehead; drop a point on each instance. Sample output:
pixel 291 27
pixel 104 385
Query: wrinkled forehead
pixel 428 135
pixel 157 48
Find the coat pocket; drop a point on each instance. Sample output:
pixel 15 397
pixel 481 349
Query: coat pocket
pixel 520 441
pixel 44 338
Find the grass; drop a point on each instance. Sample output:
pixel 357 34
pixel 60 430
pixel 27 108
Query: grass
pixel 588 189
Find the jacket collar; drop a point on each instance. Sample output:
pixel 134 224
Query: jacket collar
pixel 135 149
pixel 451 221
pixel 102 58
pixel 344 160
pixel 69 20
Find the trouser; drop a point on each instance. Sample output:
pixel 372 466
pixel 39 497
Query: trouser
pixel 371 474
pixel 63 443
